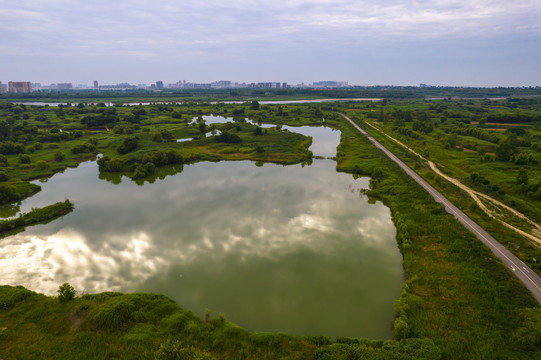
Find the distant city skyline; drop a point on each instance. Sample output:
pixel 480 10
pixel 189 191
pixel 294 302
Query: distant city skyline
pixel 181 84
pixel 482 43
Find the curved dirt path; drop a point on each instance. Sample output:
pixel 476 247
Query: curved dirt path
pixel 528 277
pixel 475 195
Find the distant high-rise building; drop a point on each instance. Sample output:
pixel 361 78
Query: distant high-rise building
pixel 222 84
pixel 96 84
pixel 2 88
pixel 159 85
pixel 64 86
pixel 20 86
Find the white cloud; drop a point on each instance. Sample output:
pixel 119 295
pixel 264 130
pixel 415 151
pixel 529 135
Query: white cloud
pixel 151 26
pixel 205 35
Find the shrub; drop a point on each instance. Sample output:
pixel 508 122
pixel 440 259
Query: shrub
pixel 42 164
pixel 229 138
pixel 24 159
pixel 129 143
pixel 59 156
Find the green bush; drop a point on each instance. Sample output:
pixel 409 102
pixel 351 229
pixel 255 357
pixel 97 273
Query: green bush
pixel 24 159
pixel 59 156
pixel 42 164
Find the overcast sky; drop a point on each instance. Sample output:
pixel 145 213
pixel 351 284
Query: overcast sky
pixel 394 42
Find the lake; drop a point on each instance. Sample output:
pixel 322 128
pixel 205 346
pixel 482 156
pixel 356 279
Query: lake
pixel 295 249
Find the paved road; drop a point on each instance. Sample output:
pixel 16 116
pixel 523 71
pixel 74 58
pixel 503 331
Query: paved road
pixel 525 274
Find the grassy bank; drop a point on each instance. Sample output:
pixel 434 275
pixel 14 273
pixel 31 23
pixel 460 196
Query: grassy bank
pixel 152 326
pixel 35 216
pixel 457 293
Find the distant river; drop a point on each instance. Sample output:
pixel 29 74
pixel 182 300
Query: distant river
pixel 275 248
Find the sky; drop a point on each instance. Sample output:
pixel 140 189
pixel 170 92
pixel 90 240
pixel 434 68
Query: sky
pixel 387 42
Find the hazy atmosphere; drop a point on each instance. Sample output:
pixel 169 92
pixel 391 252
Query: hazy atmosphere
pixel 443 42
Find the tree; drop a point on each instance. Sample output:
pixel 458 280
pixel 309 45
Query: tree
pixel 258 131
pixel 24 159
pixel 42 164
pixel 522 177
pixel 226 137
pixel 452 141
pixel 254 105
pixel 202 127
pixel 59 156
pixel 66 292
pixel 129 143
pixel 504 152
pixel 3 160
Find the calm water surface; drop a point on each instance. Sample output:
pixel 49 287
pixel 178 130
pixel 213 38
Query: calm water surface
pixel 275 248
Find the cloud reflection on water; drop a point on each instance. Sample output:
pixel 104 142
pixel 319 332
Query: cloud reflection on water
pixel 217 231
pixel 106 257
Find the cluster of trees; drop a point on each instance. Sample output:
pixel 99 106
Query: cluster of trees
pixel 227 137
pixel 481 182
pixel 8 147
pixel 422 126
pixel 83 148
pixel 532 191
pixel 408 132
pixel 106 163
pixel 129 144
pixel 508 150
pixel 141 167
pixel 8 193
pixel 103 119
pixel 166 135
pixel 474 131
pixel 512 117
pixel 149 162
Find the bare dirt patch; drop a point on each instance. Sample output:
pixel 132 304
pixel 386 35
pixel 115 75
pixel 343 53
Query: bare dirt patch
pixel 77 319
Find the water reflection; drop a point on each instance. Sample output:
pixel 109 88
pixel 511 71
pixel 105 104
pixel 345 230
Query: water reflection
pixel 274 248
pixel 161 173
pixel 9 210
